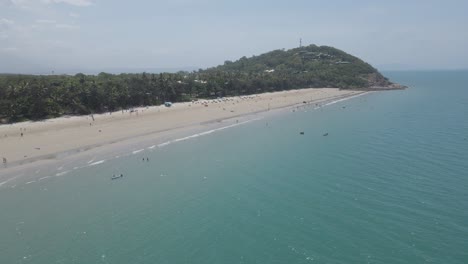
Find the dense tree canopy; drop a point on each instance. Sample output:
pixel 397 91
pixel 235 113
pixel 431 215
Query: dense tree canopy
pixel 34 97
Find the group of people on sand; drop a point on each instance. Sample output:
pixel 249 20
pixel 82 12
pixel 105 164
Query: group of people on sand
pixel 21 131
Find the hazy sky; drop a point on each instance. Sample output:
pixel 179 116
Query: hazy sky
pixel 93 35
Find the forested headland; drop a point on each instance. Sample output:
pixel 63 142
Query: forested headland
pixel 34 97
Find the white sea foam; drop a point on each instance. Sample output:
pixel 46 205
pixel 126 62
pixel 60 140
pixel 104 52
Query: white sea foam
pixel 137 151
pixel 43 178
pixel 164 144
pixel 196 135
pixel 91 160
pixel 97 162
pixel 344 99
pixel 206 132
pixel 61 173
pixel 2 183
pixel 185 138
pixel 29 182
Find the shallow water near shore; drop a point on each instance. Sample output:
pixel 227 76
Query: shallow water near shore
pixel 388 184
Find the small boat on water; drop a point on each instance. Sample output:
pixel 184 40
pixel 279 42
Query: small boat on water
pixel 326 134
pixel 115 177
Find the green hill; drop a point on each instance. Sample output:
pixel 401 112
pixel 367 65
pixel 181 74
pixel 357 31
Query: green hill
pixel 310 66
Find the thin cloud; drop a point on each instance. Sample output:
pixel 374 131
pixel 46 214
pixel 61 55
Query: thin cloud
pixel 70 2
pixel 5 25
pixel 32 3
pixel 19 3
pixel 45 21
pixel 67 26
pixel 10 49
pixel 23 4
pixel 75 15
pixel 6 22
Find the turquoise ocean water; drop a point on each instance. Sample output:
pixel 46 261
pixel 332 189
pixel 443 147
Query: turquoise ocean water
pixel 389 184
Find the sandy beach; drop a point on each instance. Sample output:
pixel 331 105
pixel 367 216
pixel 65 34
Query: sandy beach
pixel 28 142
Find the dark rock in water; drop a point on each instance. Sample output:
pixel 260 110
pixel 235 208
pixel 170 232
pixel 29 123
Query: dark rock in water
pixel 326 134
pixel 115 177
pixel 302 133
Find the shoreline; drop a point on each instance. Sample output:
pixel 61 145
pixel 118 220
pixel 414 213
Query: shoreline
pixel 45 131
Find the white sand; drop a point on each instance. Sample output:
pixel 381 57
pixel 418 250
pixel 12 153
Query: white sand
pixel 68 133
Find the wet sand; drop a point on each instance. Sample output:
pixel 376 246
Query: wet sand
pixel 28 142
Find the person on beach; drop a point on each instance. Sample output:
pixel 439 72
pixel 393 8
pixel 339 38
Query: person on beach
pixel 4 160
